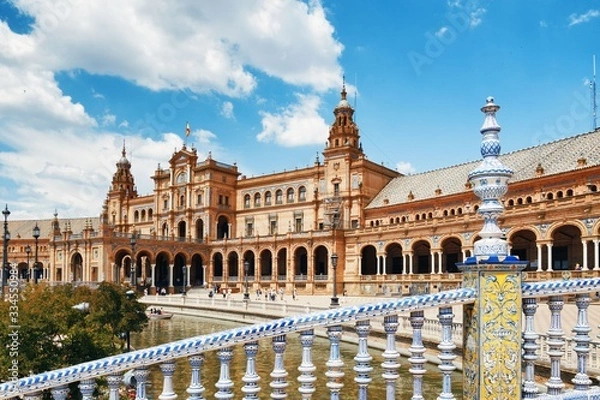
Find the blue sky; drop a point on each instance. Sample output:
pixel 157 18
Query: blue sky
pixel 257 81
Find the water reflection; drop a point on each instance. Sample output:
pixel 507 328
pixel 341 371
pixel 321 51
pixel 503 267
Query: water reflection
pixel 179 327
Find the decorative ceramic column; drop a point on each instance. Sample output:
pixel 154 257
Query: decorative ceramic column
pixel 492 325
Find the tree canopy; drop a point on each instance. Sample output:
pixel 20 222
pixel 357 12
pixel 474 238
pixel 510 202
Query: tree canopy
pixel 46 329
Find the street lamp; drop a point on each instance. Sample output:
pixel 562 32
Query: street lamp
pixel 133 242
pixel 6 238
pixel 246 268
pixel 36 235
pixel 334 300
pixel 28 251
pixel 183 270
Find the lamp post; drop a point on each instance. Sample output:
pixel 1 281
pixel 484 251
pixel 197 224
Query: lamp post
pixel 334 300
pixel 183 285
pixel 133 242
pixel 246 268
pixel 28 251
pixel 6 239
pixel 36 235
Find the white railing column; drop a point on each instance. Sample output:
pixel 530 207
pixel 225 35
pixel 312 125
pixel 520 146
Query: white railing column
pixel 417 360
pixel 168 369
pixel 251 378
pixel 582 342
pixel 446 355
pixel 556 343
pixel 390 356
pixel 114 381
pixel 224 385
pixel 279 383
pixel 307 368
pixel 363 359
pixel 335 363
pixel 530 348
pixel 31 396
pixel 195 390
pixel 141 375
pixel 87 387
pixel 60 392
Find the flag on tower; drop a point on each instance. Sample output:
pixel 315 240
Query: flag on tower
pixel 187 129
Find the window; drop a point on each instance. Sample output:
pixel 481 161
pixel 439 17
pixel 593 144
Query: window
pixel 268 199
pixel 302 194
pixel 249 229
pixel 257 200
pixel 279 197
pixel 298 224
pixel 247 201
pixel 136 216
pixel 290 195
pixel 273 227
pixel 181 201
pixel 165 204
pixel 226 200
pixel 199 199
pixel 336 189
pixel 220 199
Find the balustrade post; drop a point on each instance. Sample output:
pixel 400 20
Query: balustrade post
pixel 335 363
pixel 556 343
pixel 251 378
pixel 141 375
pixel 196 390
pixel 87 387
pixel 114 383
pixel 224 385
pixel 416 354
pixel 582 339
pixel 60 392
pixel 306 368
pixel 168 369
pixel 32 396
pixel 492 324
pixel 446 355
pixel 390 356
pixel 530 348
pixel 363 359
pixel 279 383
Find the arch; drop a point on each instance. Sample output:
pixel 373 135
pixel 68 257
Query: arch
pixel 247 201
pixel 451 254
pixel 567 249
pixel 164 231
pixel 197 275
pixel 251 259
pixel 268 198
pixel 394 259
pixel 181 229
pixel 161 270
pixel 179 276
pixel 256 199
pixel 233 267
pixel 266 265
pixel 302 193
pixel 279 196
pixel 199 229
pixel 150 213
pixel 143 215
pixel 368 260
pixel 422 257
pixel 523 245
pixel 289 195
pixel 217 266
pixel 75 268
pixel 301 262
pixel 136 216
pixel 222 227
pixel 321 261
pixel 282 264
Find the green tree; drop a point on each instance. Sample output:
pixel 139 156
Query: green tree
pixel 51 333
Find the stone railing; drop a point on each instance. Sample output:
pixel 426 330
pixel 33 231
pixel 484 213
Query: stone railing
pixel 195 349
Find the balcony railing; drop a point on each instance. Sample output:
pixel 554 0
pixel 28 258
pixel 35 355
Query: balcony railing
pixel 390 313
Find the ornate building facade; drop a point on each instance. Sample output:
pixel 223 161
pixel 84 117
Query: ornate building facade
pixel 206 224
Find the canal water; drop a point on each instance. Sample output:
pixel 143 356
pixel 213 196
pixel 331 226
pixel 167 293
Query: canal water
pixel 181 327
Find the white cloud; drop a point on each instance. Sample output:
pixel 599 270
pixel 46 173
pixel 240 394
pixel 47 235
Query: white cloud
pixel 543 24
pixel 440 32
pixel 108 119
pixel 405 167
pixel 575 19
pixel 227 109
pixel 471 12
pixel 296 125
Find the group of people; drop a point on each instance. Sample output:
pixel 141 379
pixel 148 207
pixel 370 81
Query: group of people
pixel 155 311
pixel 269 294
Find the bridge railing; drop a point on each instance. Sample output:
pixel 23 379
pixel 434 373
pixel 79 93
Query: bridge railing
pixel 110 370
